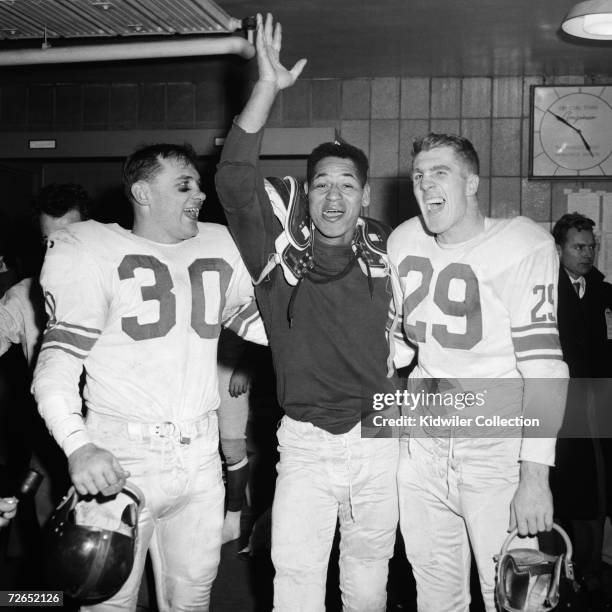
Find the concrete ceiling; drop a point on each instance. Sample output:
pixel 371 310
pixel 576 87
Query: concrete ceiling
pixel 431 37
pixel 349 38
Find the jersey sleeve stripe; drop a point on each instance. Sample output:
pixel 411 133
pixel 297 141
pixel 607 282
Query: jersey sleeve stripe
pixel 558 356
pixel 78 341
pixel 246 312
pixel 532 326
pixel 63 348
pixel 243 319
pixel 535 341
pixel 89 330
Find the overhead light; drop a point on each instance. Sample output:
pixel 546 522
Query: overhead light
pixel 590 19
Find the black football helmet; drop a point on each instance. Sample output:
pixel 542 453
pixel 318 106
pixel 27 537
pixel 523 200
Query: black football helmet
pixel 88 563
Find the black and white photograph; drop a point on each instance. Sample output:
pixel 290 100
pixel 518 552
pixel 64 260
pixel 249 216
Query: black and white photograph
pixel 306 306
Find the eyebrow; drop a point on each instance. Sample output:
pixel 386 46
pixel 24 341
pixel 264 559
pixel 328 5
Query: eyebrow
pixel 349 174
pixel 185 177
pixel 437 167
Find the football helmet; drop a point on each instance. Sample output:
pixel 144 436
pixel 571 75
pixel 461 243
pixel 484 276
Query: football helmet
pixel 90 559
pixel 528 580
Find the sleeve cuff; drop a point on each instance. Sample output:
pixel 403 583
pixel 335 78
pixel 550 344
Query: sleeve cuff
pixel 538 450
pixel 65 422
pixel 74 441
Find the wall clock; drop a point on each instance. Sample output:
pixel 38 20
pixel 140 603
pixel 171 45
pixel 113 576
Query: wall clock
pixel 571 132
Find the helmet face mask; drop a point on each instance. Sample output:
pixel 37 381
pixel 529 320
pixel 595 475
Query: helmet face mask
pixel 528 580
pixel 91 563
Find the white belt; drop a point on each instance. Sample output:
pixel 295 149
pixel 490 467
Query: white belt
pixel 183 431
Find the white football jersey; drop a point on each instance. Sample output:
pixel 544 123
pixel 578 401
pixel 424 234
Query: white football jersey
pixel 143 318
pixel 481 308
pixel 484 308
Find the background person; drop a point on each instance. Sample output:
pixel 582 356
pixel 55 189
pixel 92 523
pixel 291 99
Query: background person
pixel 235 375
pixel 581 479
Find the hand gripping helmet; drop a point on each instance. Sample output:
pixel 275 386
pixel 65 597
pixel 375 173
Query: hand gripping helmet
pixel 91 563
pixel 528 580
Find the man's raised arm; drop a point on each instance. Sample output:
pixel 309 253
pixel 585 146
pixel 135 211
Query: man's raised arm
pixel 238 181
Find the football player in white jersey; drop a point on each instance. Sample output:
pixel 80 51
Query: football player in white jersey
pixel 478 300
pixel 141 311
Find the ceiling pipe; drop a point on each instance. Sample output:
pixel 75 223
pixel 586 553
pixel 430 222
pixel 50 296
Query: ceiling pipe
pixel 212 45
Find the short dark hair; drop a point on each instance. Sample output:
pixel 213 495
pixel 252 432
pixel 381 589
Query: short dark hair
pixel 338 149
pixel 462 147
pixel 57 199
pixel 143 164
pixel 568 221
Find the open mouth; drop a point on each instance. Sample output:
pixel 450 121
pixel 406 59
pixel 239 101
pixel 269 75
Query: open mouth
pixel 435 205
pixel 332 214
pixel 192 213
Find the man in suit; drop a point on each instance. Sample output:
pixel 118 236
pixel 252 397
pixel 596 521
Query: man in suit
pixel 584 298
pixel 585 329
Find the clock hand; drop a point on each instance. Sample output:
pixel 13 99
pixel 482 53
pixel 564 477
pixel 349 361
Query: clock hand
pixel 585 143
pixel 573 127
pixel 562 120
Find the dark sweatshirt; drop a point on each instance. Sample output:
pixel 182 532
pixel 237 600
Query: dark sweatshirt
pixel 332 359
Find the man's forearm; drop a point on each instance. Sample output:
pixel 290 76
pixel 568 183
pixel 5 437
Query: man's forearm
pixel 255 113
pixel 544 397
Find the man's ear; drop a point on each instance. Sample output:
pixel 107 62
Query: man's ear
pixel 559 249
pixel 141 193
pixel 471 184
pixel 365 198
pixel 306 187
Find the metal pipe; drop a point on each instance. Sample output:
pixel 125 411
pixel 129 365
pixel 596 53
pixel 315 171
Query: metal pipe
pixel 210 45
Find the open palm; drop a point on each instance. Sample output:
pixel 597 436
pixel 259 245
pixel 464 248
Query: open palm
pixel 268 46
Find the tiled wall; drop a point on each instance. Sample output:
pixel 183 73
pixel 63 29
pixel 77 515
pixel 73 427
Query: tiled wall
pixel 380 115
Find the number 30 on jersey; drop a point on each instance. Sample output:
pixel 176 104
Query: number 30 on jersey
pixel 161 291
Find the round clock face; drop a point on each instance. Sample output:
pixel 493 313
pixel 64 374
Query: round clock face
pixel 572 131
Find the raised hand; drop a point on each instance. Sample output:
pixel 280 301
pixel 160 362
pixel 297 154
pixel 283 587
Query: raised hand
pixel 268 46
pixel 273 76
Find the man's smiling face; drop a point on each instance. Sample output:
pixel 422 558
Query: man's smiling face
pixel 335 198
pixel 175 199
pixel 441 184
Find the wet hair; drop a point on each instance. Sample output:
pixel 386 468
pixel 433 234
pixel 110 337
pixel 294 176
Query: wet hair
pixel 460 145
pixel 56 200
pixel 568 221
pixel 338 149
pixel 144 163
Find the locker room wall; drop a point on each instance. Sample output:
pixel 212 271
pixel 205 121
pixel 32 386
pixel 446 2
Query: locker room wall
pixel 381 115
pixel 20 181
